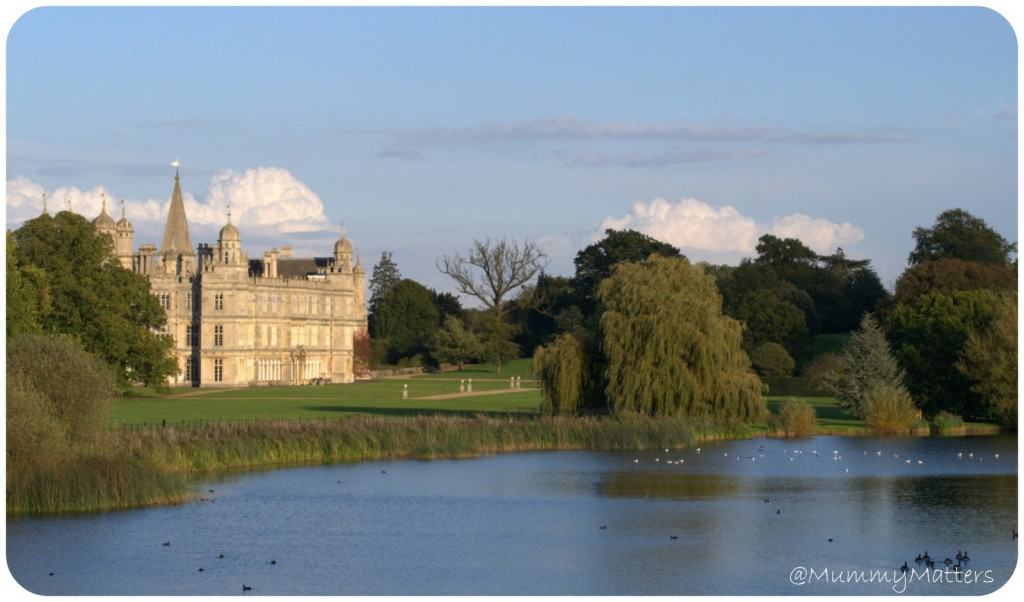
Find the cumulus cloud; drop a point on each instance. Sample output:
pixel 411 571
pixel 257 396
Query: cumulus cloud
pixel 268 199
pixel 693 224
pixel 818 233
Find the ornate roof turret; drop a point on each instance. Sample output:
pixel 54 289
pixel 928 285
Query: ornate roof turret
pixel 123 223
pixel 176 239
pixel 104 221
pixel 229 231
pixel 343 245
pixel 359 266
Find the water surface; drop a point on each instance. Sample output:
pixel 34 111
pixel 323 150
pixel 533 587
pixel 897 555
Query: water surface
pixel 532 524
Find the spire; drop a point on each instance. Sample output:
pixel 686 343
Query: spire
pixel 123 216
pixel 229 212
pixel 103 195
pixel 176 239
pixel 44 203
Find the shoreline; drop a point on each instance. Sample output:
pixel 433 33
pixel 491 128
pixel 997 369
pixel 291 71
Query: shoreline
pixel 159 466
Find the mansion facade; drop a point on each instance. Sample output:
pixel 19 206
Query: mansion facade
pixel 238 321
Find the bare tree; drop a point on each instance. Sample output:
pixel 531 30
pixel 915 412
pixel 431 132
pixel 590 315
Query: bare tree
pixel 492 269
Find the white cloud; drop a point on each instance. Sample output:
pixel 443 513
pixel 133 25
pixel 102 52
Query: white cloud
pixel 267 199
pixel 263 197
pixel 818 233
pixel 693 224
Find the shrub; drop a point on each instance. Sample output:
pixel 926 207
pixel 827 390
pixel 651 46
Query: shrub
pixel 889 409
pixel 797 418
pixel 75 385
pixel 33 436
pixel 945 423
pixel 772 359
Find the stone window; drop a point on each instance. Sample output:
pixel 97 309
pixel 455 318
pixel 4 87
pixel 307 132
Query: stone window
pixel 188 301
pixel 190 335
pixel 218 336
pixel 188 367
pixel 218 301
pixel 218 370
pixel 165 300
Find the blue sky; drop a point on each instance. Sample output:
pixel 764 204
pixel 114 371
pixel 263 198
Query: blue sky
pixel 425 128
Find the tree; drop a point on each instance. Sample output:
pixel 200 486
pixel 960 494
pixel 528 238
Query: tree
pixel 784 254
pixel 385 277
pixel 928 338
pixel 107 309
pixel 545 310
pixel 497 343
pixel 490 271
pixel 595 262
pixel 668 348
pixel 957 234
pixel 769 317
pixel 406 320
pixel 454 344
pixel 559 368
pixel 842 289
pixel 948 275
pixel 866 363
pixel 27 295
pixel 447 306
pixel 771 359
pixel 989 359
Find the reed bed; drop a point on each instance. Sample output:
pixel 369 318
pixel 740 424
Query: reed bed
pixel 157 465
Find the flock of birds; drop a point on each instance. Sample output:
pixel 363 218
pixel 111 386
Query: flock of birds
pixel 836 456
pixel 961 561
pixel 956 565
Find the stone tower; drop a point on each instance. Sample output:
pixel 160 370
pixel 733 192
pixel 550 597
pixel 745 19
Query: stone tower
pixel 123 238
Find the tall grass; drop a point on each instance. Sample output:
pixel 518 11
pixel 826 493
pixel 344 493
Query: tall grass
pixel 155 465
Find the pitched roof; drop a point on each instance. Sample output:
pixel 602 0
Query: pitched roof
pixel 293 267
pixel 176 238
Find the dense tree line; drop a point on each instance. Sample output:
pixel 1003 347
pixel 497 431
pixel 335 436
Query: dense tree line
pixel 614 335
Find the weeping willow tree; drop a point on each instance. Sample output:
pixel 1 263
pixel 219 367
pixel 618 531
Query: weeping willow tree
pixel 559 367
pixel 669 350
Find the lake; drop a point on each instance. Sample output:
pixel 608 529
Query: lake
pixel 580 523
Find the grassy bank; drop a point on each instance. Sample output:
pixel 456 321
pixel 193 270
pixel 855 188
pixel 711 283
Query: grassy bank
pixel 153 465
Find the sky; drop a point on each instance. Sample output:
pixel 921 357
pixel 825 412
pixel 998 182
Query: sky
pixel 422 129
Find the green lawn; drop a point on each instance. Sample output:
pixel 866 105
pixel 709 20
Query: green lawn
pixel 382 397
pixel 379 397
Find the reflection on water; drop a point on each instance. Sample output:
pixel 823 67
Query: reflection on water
pixel 680 522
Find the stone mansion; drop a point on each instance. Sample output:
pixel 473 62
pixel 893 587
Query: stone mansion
pixel 238 321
